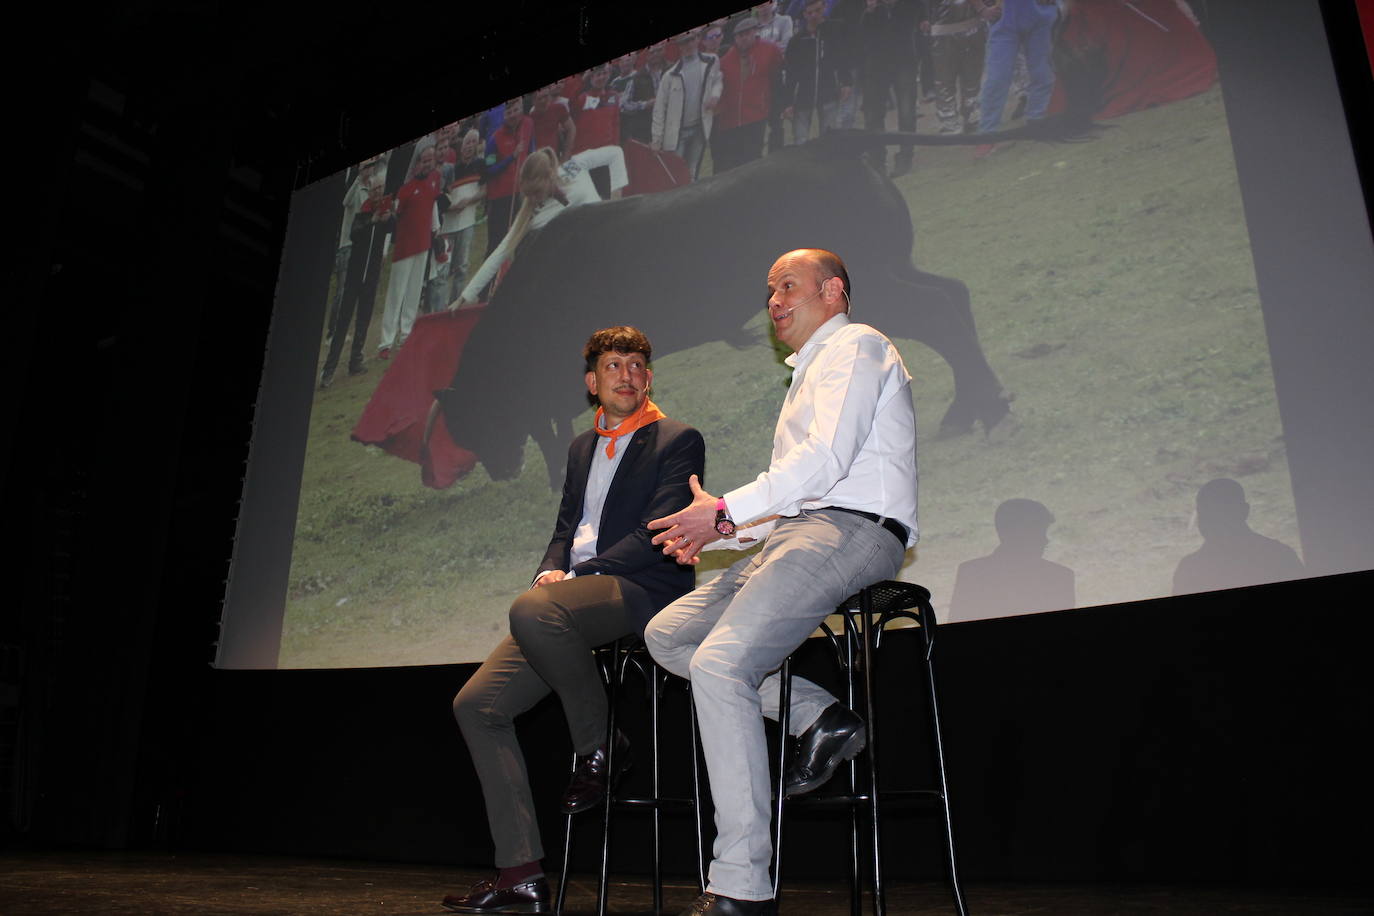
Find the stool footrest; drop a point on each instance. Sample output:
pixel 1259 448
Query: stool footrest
pixel 828 801
pixel 654 802
pixel 840 801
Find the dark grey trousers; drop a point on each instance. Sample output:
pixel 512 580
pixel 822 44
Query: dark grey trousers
pixel 553 631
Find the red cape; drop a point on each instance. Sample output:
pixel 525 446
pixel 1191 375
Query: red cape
pixel 395 415
pixel 1155 54
pixel 653 170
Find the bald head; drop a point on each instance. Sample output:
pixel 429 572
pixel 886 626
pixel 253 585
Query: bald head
pixel 806 288
pixel 828 264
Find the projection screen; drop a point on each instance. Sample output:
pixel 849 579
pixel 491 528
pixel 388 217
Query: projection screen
pixel 1129 348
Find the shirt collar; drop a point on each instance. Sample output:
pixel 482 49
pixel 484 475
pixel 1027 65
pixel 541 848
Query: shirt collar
pixel 817 339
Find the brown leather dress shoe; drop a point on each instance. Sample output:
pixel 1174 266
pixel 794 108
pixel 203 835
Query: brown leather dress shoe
pixel 709 904
pixel 589 783
pixel 486 897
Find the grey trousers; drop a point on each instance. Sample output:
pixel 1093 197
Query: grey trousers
pixel 731 635
pixel 553 631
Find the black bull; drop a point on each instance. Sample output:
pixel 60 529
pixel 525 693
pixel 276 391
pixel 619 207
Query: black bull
pixel 688 266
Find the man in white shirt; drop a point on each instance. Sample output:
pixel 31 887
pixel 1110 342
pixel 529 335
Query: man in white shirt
pixel 838 507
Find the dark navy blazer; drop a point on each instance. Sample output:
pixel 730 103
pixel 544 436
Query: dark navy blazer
pixel 649 483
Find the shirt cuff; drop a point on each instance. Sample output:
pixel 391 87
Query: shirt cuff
pixel 742 504
pixel 746 536
pixel 542 573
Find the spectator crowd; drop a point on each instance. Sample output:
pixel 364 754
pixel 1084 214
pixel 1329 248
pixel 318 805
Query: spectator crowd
pixel 711 99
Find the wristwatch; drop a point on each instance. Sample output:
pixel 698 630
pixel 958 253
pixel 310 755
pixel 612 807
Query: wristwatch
pixel 725 525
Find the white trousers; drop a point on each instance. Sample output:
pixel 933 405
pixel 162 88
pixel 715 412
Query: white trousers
pixel 402 299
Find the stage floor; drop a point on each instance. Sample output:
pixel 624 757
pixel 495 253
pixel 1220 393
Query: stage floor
pixel 143 883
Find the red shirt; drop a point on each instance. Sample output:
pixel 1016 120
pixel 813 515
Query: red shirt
pixel 546 124
pixel 598 123
pixel 381 205
pixel 505 143
pixel 415 215
pixel 747 84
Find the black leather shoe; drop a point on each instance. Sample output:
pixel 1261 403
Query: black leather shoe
pixel 837 736
pixel 588 785
pixel 715 905
pixel 486 897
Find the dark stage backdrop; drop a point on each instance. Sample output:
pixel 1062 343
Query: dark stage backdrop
pixel 1096 330
pixel 1213 738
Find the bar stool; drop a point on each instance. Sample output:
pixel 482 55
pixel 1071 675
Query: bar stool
pixel 865 614
pixel 614 660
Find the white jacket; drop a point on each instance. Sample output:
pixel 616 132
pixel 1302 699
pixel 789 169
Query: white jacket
pixel 669 102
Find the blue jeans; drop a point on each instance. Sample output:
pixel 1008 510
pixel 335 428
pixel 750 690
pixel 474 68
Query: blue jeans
pixel 731 635
pixel 1026 25
pixel 829 114
pixel 804 118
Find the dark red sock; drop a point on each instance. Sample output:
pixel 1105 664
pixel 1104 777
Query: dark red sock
pixel 519 874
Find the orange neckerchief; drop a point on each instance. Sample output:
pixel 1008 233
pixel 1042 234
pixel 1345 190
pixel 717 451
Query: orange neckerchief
pixel 647 413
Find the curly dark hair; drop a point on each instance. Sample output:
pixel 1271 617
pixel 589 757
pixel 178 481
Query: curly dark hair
pixel 621 339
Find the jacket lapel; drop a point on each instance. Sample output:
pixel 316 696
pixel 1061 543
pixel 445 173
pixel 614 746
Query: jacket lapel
pixel 635 450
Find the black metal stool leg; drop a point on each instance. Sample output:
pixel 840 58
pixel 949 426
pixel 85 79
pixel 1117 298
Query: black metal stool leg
pixel 852 769
pixel 617 675
pixel 784 717
pixel 928 639
pixel 654 677
pixel 871 722
pixel 567 853
pixel 607 675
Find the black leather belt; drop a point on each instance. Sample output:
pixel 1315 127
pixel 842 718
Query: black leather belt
pixel 897 529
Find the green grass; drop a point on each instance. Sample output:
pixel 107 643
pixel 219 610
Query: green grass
pixel 1115 297
pixel 1155 375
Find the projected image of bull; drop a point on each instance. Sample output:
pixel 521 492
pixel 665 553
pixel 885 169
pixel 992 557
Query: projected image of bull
pixel 1112 280
pixel 683 265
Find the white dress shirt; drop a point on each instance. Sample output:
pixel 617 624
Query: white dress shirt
pixel 846 435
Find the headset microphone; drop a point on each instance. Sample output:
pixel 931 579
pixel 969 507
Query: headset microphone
pixel 806 301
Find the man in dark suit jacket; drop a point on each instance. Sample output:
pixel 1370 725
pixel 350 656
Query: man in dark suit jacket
pixel 600 579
